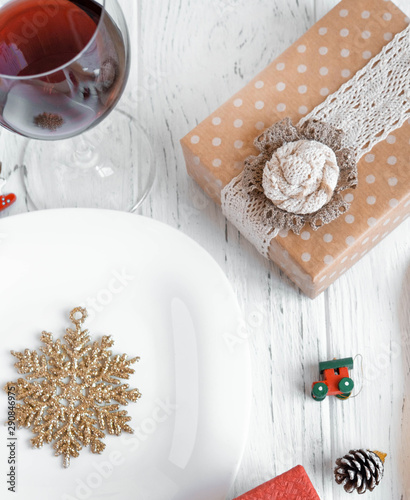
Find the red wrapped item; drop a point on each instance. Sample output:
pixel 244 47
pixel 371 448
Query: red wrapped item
pixel 292 485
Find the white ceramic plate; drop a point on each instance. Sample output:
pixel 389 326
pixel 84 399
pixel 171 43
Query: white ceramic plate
pixel 162 298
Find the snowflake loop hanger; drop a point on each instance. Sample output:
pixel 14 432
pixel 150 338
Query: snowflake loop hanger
pixel 72 392
pixel 78 321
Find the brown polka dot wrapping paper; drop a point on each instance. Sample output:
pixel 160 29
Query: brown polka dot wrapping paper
pixel 299 80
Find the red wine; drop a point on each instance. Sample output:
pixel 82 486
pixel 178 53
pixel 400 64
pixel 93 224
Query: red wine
pixel 66 65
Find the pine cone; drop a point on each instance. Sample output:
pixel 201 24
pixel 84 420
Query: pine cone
pixel 360 470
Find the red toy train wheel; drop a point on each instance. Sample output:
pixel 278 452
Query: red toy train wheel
pixel 319 391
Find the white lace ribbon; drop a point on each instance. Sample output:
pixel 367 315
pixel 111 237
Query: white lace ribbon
pixel 367 108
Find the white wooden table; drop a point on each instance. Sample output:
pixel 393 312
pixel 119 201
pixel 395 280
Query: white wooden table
pixel 189 57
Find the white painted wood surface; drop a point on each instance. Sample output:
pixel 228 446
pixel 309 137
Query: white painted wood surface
pixel 189 57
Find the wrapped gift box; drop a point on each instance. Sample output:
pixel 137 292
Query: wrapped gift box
pixel 327 56
pixel 293 485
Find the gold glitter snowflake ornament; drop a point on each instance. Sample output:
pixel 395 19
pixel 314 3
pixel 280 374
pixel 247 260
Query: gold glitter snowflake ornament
pixel 72 392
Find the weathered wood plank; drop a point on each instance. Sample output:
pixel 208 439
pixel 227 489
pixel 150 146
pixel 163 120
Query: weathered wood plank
pixel 188 58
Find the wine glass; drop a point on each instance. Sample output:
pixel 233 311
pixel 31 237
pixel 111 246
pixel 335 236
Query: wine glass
pixel 64 65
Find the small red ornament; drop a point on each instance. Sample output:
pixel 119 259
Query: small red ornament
pixel 6 200
pixel 293 485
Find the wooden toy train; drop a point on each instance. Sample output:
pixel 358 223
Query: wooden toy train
pixel 335 380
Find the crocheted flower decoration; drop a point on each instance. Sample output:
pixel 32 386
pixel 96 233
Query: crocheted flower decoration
pixel 299 174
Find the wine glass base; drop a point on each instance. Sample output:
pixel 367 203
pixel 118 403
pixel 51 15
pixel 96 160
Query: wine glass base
pixel 110 166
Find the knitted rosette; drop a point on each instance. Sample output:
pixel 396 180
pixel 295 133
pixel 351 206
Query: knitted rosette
pixel 270 181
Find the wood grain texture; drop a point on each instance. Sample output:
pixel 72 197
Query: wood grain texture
pixel 189 57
